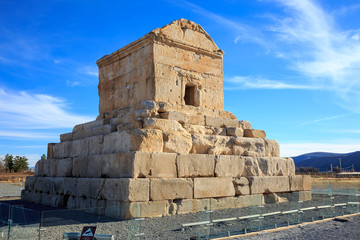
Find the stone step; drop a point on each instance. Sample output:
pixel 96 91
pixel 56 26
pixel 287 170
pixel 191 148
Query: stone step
pixel 157 189
pixel 136 164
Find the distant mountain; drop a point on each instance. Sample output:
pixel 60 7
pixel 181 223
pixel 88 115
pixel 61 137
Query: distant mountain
pixel 312 155
pixel 323 160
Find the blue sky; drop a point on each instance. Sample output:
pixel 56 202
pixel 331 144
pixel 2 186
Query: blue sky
pixel 291 67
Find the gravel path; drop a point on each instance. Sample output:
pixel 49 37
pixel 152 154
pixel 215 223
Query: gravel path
pixel 329 230
pixel 56 221
pixel 10 190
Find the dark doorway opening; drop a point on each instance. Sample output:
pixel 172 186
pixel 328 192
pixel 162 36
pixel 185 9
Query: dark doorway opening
pixel 190 95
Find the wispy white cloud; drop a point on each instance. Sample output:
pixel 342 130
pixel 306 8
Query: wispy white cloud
pixel 296 149
pixel 326 119
pixel 346 9
pixel 318 49
pixel 89 70
pixel 242 31
pixel 26 134
pixel 310 39
pixel 22 110
pixel 251 82
pixel 72 83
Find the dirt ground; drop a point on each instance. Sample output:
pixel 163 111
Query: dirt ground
pixel 335 183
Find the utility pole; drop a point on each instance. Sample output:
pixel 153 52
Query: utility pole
pixel 340 164
pixel 331 167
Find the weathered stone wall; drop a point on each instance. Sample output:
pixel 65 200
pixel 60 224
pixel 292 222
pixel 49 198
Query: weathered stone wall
pixel 160 66
pixel 162 143
pixel 126 76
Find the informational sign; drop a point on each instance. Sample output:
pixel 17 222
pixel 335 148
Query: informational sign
pixel 88 233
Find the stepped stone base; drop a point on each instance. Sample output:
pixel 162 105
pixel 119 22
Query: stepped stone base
pixel 154 197
pixel 162 143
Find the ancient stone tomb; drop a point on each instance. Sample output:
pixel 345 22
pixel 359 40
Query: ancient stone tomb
pixel 162 143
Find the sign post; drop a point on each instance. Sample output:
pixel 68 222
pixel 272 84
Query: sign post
pixel 88 233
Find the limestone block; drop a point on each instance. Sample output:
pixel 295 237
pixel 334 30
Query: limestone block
pixel 57 184
pixel 192 205
pixel 78 127
pixel 128 165
pixel 176 116
pixel 143 113
pixel 271 198
pixel 66 137
pixel 163 165
pixel 95 166
pixel 48 171
pixel 70 186
pixel 80 166
pixel 244 124
pixel 177 142
pixel 222 203
pixel 146 140
pixel 71 202
pixel 300 183
pixel 169 189
pixel 30 182
pixel 57 200
pixel 195 165
pixel 235 131
pixel 271 166
pixel 147 105
pixel 39 184
pixel 95 123
pixel 220 149
pixel 241 186
pixel 102 130
pixel 237 202
pixel 30 196
pixel 213 187
pixel 291 166
pixel 47 185
pixel 96 145
pixel 229 166
pixel 126 189
pixel 129 126
pixel 58 150
pixel 204 130
pixel 162 124
pixel 268 184
pixel 25 195
pixel 90 187
pixel 45 199
pixel 83 147
pixel 171 209
pixel 50 150
pixel 202 144
pixel 220 122
pixel 197 119
pixel 39 168
pixel 116 142
pixel 251 167
pixel 249 200
pixel 61 167
pixel 82 133
pixel 145 209
pixel 252 147
pixel 272 148
pixel 254 133
pixel 76 148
